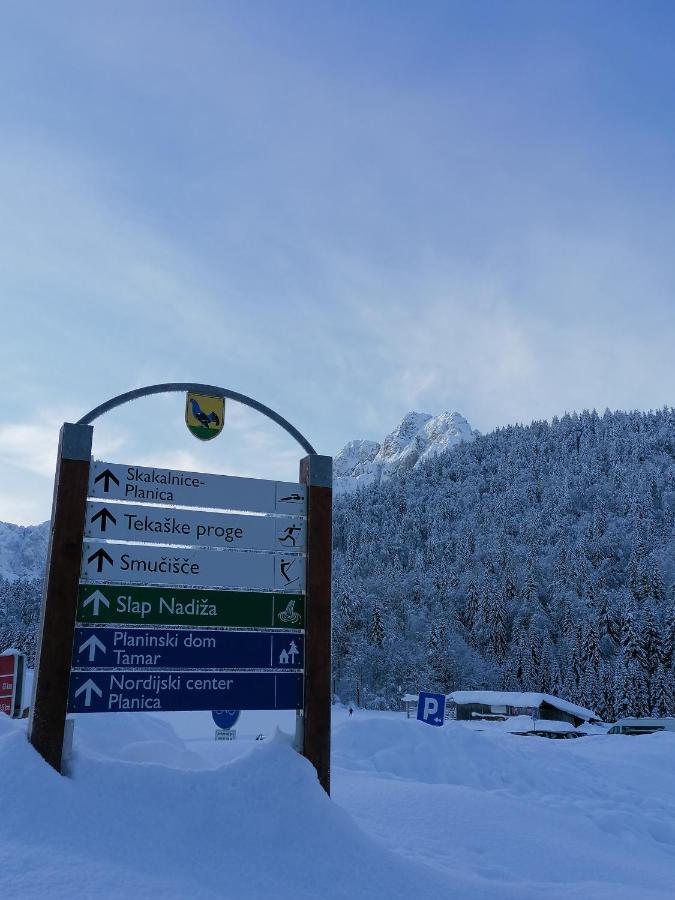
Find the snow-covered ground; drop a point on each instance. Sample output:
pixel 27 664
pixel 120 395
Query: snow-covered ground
pixel 155 807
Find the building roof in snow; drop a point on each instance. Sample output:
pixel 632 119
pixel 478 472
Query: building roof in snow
pixel 522 699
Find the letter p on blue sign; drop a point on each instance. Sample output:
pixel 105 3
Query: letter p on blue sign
pixel 431 708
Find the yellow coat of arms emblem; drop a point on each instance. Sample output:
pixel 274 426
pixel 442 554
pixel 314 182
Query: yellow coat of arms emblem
pixel 204 415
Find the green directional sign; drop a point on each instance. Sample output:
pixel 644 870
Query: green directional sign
pixel 131 605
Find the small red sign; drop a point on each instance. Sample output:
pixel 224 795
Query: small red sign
pixel 8 671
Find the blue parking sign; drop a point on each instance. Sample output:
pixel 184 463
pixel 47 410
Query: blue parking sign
pixel 431 708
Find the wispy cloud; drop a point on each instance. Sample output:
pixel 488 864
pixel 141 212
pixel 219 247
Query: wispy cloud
pixel 341 220
pixel 32 446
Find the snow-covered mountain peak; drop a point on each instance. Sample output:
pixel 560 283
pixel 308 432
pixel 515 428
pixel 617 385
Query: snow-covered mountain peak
pixel 354 456
pixel 417 437
pixel 402 439
pixel 23 550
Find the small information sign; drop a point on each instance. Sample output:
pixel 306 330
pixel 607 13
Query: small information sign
pixel 110 691
pixel 192 567
pixel 11 677
pixel 181 648
pixel 134 605
pixel 112 481
pixel 183 527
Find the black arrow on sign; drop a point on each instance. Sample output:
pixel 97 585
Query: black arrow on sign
pixel 99 556
pixel 104 514
pixel 107 477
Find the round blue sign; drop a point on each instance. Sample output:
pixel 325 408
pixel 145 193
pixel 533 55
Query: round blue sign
pixel 225 718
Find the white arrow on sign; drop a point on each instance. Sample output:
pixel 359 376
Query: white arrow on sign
pixel 88 687
pixel 96 599
pixel 92 644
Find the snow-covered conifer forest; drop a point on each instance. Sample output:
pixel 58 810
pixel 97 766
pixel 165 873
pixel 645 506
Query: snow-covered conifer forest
pixel 536 558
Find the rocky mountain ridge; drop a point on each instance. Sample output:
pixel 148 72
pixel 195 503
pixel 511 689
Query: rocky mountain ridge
pixel 418 437
pixel 23 550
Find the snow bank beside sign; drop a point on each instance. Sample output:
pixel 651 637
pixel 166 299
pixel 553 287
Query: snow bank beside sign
pixel 259 827
pixel 417 813
pixel 515 818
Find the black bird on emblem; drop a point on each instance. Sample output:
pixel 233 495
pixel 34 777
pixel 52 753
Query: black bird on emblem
pixel 202 417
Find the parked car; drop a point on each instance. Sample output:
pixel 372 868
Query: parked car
pixel 551 733
pixel 642 726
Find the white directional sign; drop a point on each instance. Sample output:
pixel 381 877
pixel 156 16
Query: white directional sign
pixel 111 481
pixel 159 525
pixel 192 567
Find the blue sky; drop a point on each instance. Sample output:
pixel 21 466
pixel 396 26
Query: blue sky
pixel 346 210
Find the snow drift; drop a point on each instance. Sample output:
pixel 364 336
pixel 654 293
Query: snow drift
pixel 417 812
pixel 258 827
pixel 515 818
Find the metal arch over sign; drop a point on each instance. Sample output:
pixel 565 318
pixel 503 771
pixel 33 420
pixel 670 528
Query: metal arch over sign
pixel 204 415
pixel 192 590
pixel 209 389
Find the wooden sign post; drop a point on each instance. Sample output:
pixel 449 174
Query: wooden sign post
pixel 317 473
pixel 57 616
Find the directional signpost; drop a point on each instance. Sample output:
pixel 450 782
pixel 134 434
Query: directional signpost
pixel 172 590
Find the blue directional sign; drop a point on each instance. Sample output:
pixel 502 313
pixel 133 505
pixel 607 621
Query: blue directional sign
pixel 431 708
pixel 179 648
pixel 226 718
pixel 124 691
